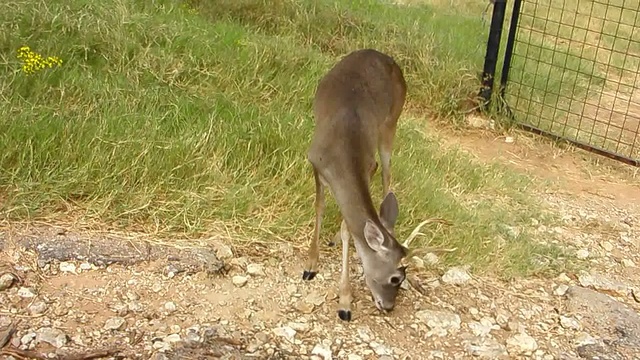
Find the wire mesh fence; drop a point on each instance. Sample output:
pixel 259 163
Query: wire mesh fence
pixel 575 71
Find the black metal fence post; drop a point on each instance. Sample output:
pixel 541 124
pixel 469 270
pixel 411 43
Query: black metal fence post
pixel 508 52
pixel 493 47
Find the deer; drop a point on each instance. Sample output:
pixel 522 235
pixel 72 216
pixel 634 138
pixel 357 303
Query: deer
pixel 356 109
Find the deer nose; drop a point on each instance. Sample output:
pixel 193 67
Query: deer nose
pixel 384 307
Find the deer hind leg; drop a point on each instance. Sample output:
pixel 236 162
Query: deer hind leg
pixel 388 129
pixel 311 267
pixel 345 297
pixel 385 148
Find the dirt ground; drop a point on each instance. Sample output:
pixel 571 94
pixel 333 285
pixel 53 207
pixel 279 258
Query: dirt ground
pixel 69 294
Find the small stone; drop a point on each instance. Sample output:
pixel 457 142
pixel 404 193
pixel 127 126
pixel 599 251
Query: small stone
pixel 521 344
pixel 569 323
pixel 170 306
pixel 583 338
pixel 502 317
pixel 37 308
pixel 255 270
pixel 430 259
pixel 285 332
pixel 601 283
pixel 380 349
pixel 514 326
pixel 85 266
pixel 67 267
pixel 456 276
pixel 26 292
pixel 322 351
pixel 628 263
pixel 51 336
pixel 364 333
pixel 561 290
pixel 6 280
pixel 607 246
pixel 239 280
pixel 304 307
pixel 564 278
pixel 480 329
pixel 173 338
pixel 115 323
pixel 582 254
pixel 224 252
pixel 28 338
pixel 161 346
pixel 485 349
pixel 354 357
pixel 440 322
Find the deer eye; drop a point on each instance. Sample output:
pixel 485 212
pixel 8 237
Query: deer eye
pixel 395 280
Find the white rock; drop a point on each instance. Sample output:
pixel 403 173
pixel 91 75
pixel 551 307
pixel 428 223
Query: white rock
pixel 299 326
pixel 456 276
pixel 607 246
pixel 26 292
pixel 6 280
pixel 628 263
pixel 431 259
pixel 521 344
pixel 51 336
pixel 440 322
pixel 583 338
pixel 285 332
pixel 380 349
pixel 255 270
pixel 224 252
pixel 68 267
pixel 322 351
pixel 28 338
pixel 601 283
pixel 561 290
pixel 86 266
pixel 364 333
pixel 569 323
pixel 239 280
pixel 354 357
pixel 173 338
pixel 115 323
pixel 488 348
pixel 480 329
pixel 170 306
pixel 37 308
pixel 582 254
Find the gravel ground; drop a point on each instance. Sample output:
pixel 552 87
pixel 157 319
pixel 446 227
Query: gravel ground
pixel 67 295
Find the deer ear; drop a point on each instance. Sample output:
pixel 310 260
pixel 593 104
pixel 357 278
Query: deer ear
pixel 389 211
pixel 374 236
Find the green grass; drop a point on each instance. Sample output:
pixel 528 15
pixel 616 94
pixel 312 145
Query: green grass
pixel 175 117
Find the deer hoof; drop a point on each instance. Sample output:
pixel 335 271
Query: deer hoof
pixel 308 275
pixel 344 315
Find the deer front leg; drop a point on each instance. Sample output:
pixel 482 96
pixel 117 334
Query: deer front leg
pixel 311 267
pixel 344 302
pixel 337 236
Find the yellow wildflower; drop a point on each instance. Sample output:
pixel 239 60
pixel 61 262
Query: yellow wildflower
pixel 32 61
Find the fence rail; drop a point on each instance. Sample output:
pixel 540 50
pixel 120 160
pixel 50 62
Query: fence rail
pixel 572 70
